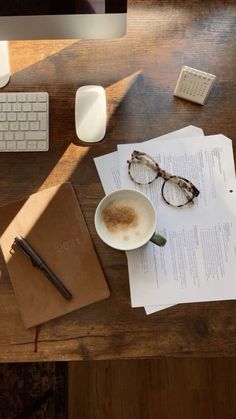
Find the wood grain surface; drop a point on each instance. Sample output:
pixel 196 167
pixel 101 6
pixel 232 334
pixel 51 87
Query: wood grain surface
pixel 170 388
pixel 139 73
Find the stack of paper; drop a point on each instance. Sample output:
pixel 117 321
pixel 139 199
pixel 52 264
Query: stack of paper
pixel 199 260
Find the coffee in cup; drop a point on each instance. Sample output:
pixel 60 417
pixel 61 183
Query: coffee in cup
pixel 126 219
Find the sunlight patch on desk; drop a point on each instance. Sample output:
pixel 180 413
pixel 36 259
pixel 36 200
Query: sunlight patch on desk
pixel 41 51
pixel 118 91
pixel 69 161
pixel 26 226
pixel 25 215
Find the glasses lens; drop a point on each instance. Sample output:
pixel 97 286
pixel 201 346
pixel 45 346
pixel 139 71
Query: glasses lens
pixel 175 195
pixel 142 173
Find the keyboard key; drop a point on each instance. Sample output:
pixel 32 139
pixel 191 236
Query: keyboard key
pixel 8 135
pixel 2 145
pixel 34 126
pixel 43 121
pixel 26 107
pixel 3 97
pixel 42 145
pixel 32 116
pixel 32 97
pixel 11 145
pixel 21 116
pixel 16 107
pixel 11 116
pixel 11 97
pixel 19 135
pixel 39 107
pixel 32 145
pixel 6 107
pixel 36 135
pixel 42 97
pixel 3 116
pixel 3 126
pixel 24 126
pixel 1 135
pixel 21 145
pixel 21 97
pixel 14 126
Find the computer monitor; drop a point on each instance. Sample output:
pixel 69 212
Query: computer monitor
pixel 63 19
pixel 58 19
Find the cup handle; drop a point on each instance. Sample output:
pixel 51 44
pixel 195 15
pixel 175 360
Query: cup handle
pixel 158 239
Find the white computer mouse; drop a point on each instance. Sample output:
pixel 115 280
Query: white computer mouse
pixel 90 113
pixel 4 64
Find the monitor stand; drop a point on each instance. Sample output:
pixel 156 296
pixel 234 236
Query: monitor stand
pixel 4 64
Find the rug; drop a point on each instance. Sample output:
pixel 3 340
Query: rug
pixel 33 390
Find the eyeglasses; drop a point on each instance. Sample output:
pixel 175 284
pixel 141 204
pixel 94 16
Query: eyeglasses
pixel 176 190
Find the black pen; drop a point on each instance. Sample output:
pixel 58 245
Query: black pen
pixel 39 263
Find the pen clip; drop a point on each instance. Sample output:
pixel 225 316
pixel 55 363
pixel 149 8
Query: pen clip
pixel 18 247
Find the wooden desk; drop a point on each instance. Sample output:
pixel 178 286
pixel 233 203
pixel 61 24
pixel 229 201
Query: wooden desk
pixel 139 73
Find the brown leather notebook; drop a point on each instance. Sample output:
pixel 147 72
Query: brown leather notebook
pixel 52 223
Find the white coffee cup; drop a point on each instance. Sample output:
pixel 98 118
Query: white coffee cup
pixel 126 220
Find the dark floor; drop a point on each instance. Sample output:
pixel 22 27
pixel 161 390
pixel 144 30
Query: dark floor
pixel 167 388
pixel 135 389
pixel 33 390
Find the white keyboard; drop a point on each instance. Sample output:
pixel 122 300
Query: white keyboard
pixel 24 121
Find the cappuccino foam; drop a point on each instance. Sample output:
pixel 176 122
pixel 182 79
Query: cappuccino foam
pixel 126 222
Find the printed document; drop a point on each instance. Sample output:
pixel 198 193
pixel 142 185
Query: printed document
pixel 199 260
pixel 108 170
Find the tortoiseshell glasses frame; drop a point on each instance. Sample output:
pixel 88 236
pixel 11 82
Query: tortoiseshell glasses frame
pixel 189 190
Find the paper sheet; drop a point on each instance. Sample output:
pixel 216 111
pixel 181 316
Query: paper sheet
pixel 108 170
pixel 198 262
